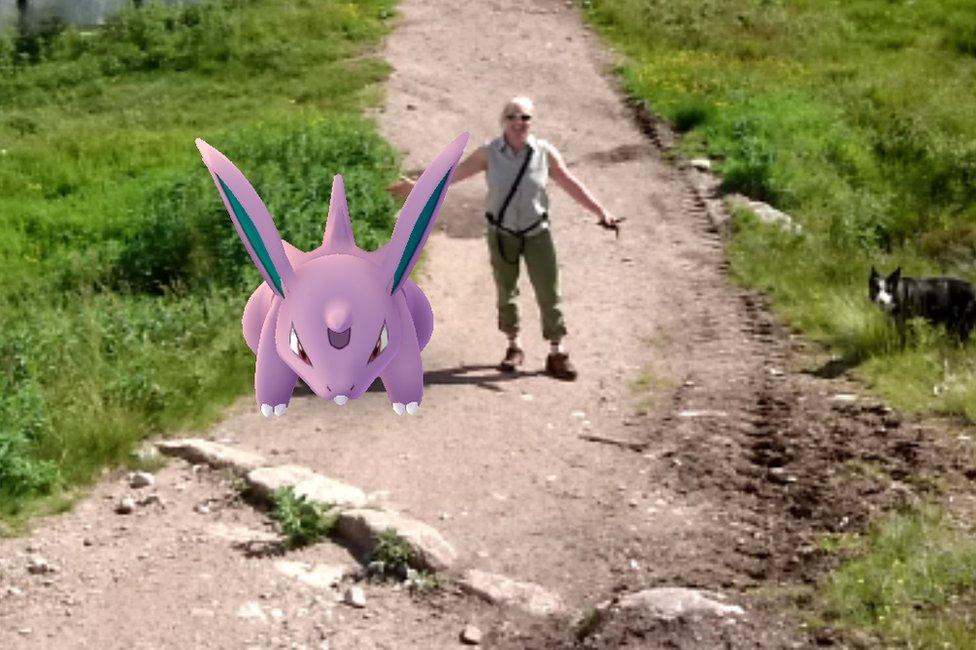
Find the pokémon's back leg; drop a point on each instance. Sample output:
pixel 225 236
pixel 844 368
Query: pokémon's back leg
pixel 420 312
pixel 258 306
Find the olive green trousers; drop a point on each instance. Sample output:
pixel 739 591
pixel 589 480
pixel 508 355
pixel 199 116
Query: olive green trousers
pixel 540 262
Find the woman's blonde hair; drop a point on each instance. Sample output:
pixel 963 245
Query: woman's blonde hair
pixel 521 103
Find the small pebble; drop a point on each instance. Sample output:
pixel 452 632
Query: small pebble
pixel 150 499
pixel 355 597
pixel 39 565
pixel 126 506
pixel 141 479
pixel 471 635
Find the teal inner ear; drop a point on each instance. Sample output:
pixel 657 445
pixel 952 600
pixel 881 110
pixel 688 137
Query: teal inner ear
pixel 253 237
pixel 418 231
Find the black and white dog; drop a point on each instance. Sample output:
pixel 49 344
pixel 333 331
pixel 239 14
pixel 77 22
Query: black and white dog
pixel 941 301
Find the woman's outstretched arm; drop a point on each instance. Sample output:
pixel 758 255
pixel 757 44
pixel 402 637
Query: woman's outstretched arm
pixel 575 188
pixel 477 161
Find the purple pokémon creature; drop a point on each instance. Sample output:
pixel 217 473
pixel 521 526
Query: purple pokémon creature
pixel 337 316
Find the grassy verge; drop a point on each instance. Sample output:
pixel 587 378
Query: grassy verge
pixel 908 583
pixel 858 119
pixel 124 281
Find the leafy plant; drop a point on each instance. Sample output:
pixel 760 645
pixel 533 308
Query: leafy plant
pixel 20 474
pixel 302 522
pixel 393 551
pixel 425 581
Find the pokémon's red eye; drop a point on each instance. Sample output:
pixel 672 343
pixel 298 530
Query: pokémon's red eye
pixel 296 347
pixel 381 343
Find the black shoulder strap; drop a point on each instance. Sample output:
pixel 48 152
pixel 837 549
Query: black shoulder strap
pixel 518 179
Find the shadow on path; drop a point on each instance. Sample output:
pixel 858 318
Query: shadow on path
pixel 482 376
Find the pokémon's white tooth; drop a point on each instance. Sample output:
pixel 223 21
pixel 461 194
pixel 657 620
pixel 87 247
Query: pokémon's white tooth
pixel 340 399
pixel 412 407
pixel 280 409
pixel 399 408
pixel 266 410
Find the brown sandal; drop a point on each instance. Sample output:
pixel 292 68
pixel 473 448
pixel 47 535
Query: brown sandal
pixel 559 366
pixel 514 357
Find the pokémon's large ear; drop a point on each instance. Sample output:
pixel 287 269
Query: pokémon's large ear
pixel 338 236
pixel 251 219
pixel 418 214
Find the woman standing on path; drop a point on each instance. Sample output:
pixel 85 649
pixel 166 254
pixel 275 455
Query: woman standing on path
pixel 517 166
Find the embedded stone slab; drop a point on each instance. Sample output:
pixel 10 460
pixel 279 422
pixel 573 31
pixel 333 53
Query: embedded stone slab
pixel 528 597
pixel 361 528
pixel 265 481
pixel 319 576
pixel 672 602
pixel 766 213
pixel 236 534
pixel 198 451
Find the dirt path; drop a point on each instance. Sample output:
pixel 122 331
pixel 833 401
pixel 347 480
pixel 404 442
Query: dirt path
pixel 730 459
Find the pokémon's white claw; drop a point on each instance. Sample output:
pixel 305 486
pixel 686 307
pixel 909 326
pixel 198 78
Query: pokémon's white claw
pixel 412 407
pixel 266 410
pixel 340 399
pixel 280 409
pixel 399 408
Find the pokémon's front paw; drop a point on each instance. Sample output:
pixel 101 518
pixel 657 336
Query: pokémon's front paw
pixel 340 399
pixel 267 410
pixel 411 408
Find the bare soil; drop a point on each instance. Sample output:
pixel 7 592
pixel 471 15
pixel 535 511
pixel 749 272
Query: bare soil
pixel 702 445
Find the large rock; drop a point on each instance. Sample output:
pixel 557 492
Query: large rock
pixel 765 213
pixel 499 589
pixel 672 602
pixel 195 450
pixel 360 529
pixel 265 481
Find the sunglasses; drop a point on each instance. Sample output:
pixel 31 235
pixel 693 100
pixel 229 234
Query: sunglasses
pixel 516 116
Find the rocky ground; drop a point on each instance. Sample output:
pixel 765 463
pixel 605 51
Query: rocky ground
pixel 695 460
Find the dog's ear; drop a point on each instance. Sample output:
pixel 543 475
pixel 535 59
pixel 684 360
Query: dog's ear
pixel 874 273
pixel 895 276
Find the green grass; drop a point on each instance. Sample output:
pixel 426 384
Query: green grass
pixel 124 280
pixel 909 583
pixel 858 119
pixel 302 522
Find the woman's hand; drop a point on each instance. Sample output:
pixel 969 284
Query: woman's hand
pixel 401 189
pixel 610 222
pixel 607 220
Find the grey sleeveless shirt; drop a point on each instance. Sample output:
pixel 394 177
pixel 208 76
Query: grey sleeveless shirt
pixel 530 200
